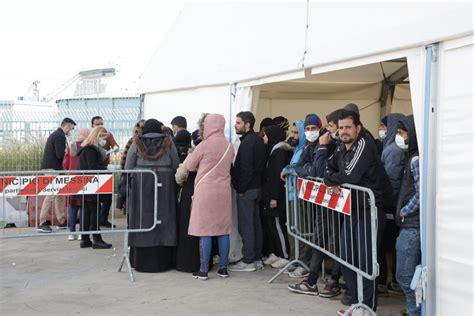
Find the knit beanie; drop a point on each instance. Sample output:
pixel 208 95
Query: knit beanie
pixel 312 119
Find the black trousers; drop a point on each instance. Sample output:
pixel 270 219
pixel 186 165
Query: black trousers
pixel 356 248
pixel 90 218
pixel 250 226
pixel 278 237
pixel 106 201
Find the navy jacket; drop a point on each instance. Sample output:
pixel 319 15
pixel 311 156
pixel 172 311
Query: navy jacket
pixel 54 150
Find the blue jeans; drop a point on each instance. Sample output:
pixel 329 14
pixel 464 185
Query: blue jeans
pixel 205 247
pixel 408 257
pixel 73 209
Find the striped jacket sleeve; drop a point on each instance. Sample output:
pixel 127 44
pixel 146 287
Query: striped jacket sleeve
pixel 354 170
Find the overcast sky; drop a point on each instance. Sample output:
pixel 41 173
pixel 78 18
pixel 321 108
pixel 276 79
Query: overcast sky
pixel 52 40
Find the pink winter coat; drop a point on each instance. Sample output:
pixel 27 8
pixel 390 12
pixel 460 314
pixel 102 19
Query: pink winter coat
pixel 211 213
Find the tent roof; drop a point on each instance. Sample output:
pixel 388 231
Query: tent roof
pixel 212 44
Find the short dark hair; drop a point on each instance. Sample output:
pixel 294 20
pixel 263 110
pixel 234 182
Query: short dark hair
pixel 333 116
pixel 346 114
pixel 266 122
pixel 67 120
pixel 95 118
pixel 247 117
pixel 180 121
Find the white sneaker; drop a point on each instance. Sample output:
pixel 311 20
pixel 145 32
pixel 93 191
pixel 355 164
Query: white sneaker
pixel 299 272
pixel 271 259
pixel 79 237
pixel 242 267
pixel 258 265
pixel 71 237
pixel 280 263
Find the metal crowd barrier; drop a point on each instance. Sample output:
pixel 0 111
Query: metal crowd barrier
pixel 64 189
pixel 342 226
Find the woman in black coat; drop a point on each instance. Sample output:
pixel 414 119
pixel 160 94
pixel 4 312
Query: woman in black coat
pixel 273 193
pixel 92 157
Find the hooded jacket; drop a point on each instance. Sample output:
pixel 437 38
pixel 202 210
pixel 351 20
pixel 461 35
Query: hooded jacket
pixel 279 156
pixel 408 199
pixel 393 158
pixel 298 151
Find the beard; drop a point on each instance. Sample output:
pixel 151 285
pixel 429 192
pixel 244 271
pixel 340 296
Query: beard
pixel 346 139
pixel 239 131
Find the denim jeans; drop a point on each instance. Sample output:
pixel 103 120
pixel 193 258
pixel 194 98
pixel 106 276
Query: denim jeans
pixel 73 209
pixel 408 257
pixel 205 247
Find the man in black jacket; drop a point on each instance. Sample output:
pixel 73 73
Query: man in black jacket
pixel 53 160
pixel 247 176
pixel 355 161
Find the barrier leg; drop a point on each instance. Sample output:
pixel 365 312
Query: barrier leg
pixel 360 296
pixel 126 258
pixel 296 261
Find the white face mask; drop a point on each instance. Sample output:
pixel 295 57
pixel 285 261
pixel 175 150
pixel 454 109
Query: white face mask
pixel 102 142
pixel 311 136
pixel 334 135
pixel 382 134
pixel 400 141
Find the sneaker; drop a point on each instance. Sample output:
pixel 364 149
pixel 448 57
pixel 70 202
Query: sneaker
pixel 304 288
pixel 100 244
pixel 242 267
pixel 382 290
pixel 258 265
pixel 85 244
pixel 63 225
pixel 44 228
pixel 71 237
pixel 356 312
pixel 280 263
pixel 79 237
pixel 200 275
pixel 331 289
pixel 394 287
pixel 223 273
pixel 299 272
pixel 271 259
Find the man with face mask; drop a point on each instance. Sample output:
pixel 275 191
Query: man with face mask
pixel 407 215
pixel 312 126
pixel 53 160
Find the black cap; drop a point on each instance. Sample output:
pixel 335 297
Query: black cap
pixel 180 121
pixel 67 120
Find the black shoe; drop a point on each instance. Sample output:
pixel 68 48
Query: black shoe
pixel 85 243
pixel 62 225
pixel 44 228
pixel 101 245
pixel 107 224
pixel 200 275
pixel 347 300
pixel 223 273
pixel 331 289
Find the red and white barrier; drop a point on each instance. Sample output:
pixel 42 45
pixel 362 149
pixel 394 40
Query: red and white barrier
pixel 56 185
pixel 320 194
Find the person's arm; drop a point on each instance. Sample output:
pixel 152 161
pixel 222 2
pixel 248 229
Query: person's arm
pixel 276 184
pixel 193 160
pixel 301 167
pixel 246 167
pixel 320 161
pixel 355 169
pixel 394 164
pixel 59 145
pixel 174 156
pixel 413 204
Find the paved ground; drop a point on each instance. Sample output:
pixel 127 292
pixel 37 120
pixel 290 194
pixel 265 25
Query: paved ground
pixel 51 275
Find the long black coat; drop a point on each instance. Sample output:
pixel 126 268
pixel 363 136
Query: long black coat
pixel 140 203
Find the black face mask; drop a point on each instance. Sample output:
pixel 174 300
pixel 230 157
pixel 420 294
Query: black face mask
pixel 293 142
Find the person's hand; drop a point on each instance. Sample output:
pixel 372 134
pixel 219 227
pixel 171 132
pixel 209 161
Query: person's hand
pixel 325 138
pixel 336 190
pixel 273 204
pixel 283 176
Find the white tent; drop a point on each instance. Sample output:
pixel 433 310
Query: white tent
pixel 294 59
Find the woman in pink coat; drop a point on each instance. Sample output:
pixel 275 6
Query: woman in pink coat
pixel 211 212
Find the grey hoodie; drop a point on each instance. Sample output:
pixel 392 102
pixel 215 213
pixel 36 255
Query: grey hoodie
pixel 393 158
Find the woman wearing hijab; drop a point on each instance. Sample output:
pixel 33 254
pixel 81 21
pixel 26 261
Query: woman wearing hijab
pixel 274 195
pixel 92 157
pixel 153 150
pixel 71 162
pixel 211 213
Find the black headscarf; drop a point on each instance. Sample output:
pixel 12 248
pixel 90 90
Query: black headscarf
pixel 275 134
pixel 152 126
